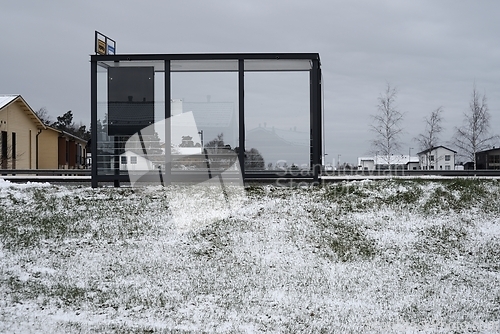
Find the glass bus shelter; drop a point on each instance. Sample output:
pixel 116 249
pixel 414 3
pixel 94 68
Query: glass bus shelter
pixel 177 117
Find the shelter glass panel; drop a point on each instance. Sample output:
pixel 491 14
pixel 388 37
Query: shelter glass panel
pixel 277 121
pixel 204 122
pixel 130 101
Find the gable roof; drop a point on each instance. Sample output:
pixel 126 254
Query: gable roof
pixel 67 134
pixel 434 148
pixel 393 160
pixel 6 100
pixel 489 150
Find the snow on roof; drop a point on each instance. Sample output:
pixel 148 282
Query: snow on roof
pixel 393 159
pixel 6 99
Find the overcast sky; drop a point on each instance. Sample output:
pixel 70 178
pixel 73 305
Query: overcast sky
pixel 431 51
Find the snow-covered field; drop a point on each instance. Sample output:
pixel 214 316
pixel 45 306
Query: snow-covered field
pixel 387 256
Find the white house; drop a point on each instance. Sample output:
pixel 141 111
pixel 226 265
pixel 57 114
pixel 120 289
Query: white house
pixel 132 161
pixel 395 162
pixel 437 158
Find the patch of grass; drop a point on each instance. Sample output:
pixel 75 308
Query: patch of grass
pixel 118 327
pixel 27 230
pixel 420 265
pixel 254 190
pixel 44 214
pixel 443 239
pixel 409 195
pixel 439 201
pixel 345 242
pixel 212 240
pixel 458 195
pixel 488 255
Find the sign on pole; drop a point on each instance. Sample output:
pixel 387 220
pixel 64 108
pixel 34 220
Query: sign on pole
pixel 104 45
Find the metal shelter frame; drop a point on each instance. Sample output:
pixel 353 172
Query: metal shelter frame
pixel 315 105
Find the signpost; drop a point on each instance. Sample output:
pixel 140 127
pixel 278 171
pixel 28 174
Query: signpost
pixel 104 45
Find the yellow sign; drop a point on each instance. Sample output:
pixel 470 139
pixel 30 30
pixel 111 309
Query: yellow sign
pixel 101 47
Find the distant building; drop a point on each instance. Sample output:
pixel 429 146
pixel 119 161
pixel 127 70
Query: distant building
pixel 488 159
pixel 60 150
pixel 437 158
pixel 133 161
pixel 19 131
pixel 27 143
pixel 380 162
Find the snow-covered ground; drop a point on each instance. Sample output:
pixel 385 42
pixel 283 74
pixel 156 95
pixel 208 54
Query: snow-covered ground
pixel 386 256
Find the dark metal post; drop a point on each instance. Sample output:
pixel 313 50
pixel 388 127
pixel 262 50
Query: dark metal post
pixel 116 164
pixel 315 120
pixel 93 121
pixel 241 115
pixel 168 124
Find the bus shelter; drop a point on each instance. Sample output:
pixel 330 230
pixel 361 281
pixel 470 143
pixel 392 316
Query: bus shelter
pixel 186 117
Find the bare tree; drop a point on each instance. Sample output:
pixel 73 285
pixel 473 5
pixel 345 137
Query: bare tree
pixel 44 115
pixel 473 136
pixel 8 150
pixel 387 125
pixel 430 137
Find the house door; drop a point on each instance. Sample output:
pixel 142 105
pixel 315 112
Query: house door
pixel 4 150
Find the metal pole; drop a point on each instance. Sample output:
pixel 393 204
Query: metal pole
pixel 93 121
pixel 241 114
pixel 168 125
pixel 409 157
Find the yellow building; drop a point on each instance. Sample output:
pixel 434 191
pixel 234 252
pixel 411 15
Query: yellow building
pixel 27 143
pixel 19 130
pixel 60 150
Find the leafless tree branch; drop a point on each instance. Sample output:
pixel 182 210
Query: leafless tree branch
pixel 473 136
pixel 387 125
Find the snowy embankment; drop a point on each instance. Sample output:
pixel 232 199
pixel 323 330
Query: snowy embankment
pixel 385 256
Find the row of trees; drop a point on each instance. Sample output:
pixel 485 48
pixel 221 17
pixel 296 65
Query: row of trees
pixel 472 137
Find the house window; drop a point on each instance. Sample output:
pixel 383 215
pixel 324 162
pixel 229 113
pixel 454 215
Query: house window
pixel 447 167
pixel 13 149
pixel 431 158
pixel 4 149
pixel 123 160
pixel 133 160
pixel 13 145
pixel 494 159
pixel 447 157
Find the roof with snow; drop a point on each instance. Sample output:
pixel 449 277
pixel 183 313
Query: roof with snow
pixel 8 99
pixel 393 160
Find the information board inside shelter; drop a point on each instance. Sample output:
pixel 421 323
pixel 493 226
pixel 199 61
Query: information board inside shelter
pixel 130 99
